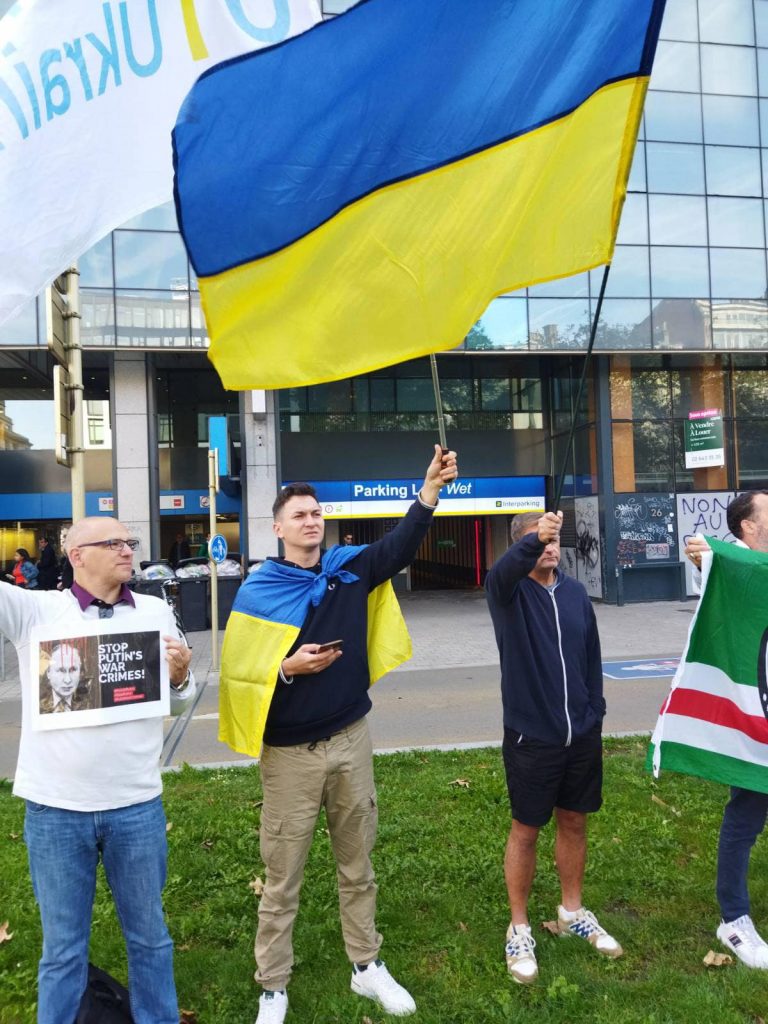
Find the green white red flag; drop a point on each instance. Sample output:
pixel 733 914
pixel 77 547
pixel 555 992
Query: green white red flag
pixel 714 722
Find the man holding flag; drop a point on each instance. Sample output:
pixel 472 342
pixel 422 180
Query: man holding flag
pixel 745 813
pixel 308 635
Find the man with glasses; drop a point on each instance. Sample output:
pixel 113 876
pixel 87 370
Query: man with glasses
pixel 95 792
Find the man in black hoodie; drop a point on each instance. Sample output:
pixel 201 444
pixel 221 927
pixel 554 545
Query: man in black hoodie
pixel 317 749
pixel 552 693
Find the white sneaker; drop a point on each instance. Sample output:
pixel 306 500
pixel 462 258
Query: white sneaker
pixel 272 1008
pixel 741 937
pixel 375 982
pixel 585 925
pixel 519 950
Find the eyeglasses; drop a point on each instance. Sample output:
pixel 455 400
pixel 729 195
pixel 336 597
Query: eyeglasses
pixel 114 544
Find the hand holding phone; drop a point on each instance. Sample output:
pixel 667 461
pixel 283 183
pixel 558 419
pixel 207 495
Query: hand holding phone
pixel 332 645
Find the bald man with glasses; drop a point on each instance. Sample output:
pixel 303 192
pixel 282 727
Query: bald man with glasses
pixel 94 793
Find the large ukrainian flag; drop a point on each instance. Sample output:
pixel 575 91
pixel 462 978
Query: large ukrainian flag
pixel 355 196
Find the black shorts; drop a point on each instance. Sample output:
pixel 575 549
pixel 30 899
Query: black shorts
pixel 541 777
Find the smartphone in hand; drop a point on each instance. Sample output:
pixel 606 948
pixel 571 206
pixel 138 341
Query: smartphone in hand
pixel 332 645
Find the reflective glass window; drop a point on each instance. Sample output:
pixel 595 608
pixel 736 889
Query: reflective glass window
pixel 733 171
pixel 673 117
pixel 726 21
pixel 147 259
pixel 651 455
pixel 739 324
pixel 678 220
pixel 335 396
pixel 573 287
pixel 21 329
pixel 382 394
pixel 752 455
pixel 676 67
pixel 636 181
pixel 736 222
pixel 495 395
pixel 504 325
pixel 673 167
pixel 738 273
pixel 199 329
pixel 95 265
pixel 337 6
pixel 629 273
pixel 699 385
pixel 97 310
pixel 161 218
pixel 681 323
pixel 762 74
pixel 731 121
pixel 415 395
pixel 152 319
pixel 624 323
pixel 633 229
pixel 764 119
pixel 750 392
pixel 30 424
pixel 680 21
pixel 679 273
pixel 728 69
pixel 761 22
pixel 555 323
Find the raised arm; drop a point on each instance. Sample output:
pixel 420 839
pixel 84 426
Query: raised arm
pixel 388 556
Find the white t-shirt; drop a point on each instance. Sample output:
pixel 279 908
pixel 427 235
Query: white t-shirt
pixel 87 769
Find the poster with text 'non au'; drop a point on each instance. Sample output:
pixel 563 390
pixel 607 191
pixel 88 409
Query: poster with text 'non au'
pixel 101 672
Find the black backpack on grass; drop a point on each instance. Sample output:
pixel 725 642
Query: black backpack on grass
pixel 104 1001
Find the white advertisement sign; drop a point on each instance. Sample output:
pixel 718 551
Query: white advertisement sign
pixel 89 93
pixel 702 513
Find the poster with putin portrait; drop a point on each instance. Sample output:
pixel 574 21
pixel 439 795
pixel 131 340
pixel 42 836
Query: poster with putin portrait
pixel 111 670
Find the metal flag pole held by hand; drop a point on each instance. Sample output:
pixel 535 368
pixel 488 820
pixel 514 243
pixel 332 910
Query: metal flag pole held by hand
pixel 438 403
pixel 577 404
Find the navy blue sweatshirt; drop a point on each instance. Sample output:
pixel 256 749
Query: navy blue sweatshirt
pixel 314 707
pixel 551 669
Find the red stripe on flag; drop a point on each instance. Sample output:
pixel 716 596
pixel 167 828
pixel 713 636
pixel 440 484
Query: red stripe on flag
pixel 718 711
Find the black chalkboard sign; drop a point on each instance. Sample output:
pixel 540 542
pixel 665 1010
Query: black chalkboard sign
pixel 645 528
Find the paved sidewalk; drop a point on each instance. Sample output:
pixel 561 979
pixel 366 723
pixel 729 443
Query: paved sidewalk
pixel 452 629
pixel 446 696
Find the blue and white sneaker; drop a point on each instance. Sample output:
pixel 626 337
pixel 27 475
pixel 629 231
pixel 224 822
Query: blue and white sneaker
pixel 585 925
pixel 743 940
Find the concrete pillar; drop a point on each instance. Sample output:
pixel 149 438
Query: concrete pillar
pixel 259 470
pixel 130 448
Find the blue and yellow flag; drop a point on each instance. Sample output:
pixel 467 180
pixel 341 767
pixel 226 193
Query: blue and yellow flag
pixel 356 196
pixel 267 616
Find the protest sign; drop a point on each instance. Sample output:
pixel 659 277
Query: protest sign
pixel 110 670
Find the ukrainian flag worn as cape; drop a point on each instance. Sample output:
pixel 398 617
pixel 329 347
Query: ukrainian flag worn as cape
pixel 363 190
pixel 267 616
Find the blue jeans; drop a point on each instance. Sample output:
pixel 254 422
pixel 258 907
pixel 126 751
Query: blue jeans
pixel 743 821
pixel 64 849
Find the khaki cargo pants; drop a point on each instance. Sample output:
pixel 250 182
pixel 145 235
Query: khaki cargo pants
pixel 336 774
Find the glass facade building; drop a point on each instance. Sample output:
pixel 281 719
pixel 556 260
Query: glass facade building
pixel 684 324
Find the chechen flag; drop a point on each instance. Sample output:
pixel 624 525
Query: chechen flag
pixel 715 721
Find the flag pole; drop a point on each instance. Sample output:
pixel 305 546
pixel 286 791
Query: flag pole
pixel 438 402
pixel 577 405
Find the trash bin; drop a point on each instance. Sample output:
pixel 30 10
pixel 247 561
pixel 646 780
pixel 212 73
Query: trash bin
pixel 193 604
pixel 228 588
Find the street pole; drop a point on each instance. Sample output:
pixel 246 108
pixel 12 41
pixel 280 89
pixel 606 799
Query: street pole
pixel 213 486
pixel 75 386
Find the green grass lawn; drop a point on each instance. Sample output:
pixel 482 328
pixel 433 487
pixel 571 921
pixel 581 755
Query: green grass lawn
pixel 442 903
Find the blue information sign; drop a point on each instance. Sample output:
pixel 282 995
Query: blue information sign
pixel 217 548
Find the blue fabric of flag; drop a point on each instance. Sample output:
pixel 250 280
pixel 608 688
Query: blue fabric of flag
pixel 385 92
pixel 283 593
